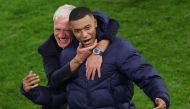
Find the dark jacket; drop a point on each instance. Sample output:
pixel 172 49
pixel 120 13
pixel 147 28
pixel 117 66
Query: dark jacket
pixel 122 65
pixel 52 98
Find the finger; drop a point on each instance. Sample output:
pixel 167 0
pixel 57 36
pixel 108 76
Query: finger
pixel 87 69
pixel 160 103
pixel 29 76
pixel 99 71
pixel 80 45
pixel 89 73
pixel 35 81
pixel 164 107
pixel 32 78
pixel 86 64
pixel 30 72
pixel 93 73
pixel 34 85
pixel 29 80
pixel 28 88
pixel 30 83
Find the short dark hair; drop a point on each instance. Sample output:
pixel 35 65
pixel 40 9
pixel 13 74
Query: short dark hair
pixel 79 13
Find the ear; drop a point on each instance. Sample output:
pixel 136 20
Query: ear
pixel 95 22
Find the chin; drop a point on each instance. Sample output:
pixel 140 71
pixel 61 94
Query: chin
pixel 88 45
pixel 64 45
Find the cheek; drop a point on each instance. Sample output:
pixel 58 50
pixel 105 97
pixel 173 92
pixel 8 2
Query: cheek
pixel 69 34
pixel 93 32
pixel 56 33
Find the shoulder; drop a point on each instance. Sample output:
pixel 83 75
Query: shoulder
pixel 122 44
pixel 67 54
pixel 101 16
pixel 49 47
pixel 122 49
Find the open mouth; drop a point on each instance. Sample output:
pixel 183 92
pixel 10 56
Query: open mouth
pixel 87 42
pixel 64 38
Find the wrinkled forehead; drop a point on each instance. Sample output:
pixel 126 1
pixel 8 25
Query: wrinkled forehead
pixel 61 22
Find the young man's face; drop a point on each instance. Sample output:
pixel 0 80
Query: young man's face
pixel 62 32
pixel 84 30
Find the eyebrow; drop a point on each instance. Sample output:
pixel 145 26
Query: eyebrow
pixel 83 27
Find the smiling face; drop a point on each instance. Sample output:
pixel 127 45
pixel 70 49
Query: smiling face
pixel 62 32
pixel 84 30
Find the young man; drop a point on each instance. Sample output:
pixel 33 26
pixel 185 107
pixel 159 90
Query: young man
pixel 49 97
pixel 122 65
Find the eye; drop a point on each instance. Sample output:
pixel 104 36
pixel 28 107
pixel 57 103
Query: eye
pixel 76 31
pixel 87 27
pixel 57 29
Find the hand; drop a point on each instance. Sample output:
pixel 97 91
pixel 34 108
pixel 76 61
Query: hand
pixel 93 65
pixel 83 53
pixel 160 103
pixel 30 81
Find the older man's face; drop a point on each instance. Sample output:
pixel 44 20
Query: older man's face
pixel 84 30
pixel 62 32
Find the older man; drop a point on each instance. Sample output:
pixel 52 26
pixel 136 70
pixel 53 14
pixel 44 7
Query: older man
pixel 122 65
pixel 50 97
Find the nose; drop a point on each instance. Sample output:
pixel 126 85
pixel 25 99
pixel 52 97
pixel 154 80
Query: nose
pixel 62 33
pixel 84 34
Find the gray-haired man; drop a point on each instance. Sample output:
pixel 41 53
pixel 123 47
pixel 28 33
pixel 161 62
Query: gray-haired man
pixel 50 52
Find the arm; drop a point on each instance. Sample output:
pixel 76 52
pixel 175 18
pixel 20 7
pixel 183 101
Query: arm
pixel 107 27
pixel 143 74
pixel 46 96
pixel 60 77
pixel 50 53
pixel 94 62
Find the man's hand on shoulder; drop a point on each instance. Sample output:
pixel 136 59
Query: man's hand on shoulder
pixel 82 54
pixel 93 66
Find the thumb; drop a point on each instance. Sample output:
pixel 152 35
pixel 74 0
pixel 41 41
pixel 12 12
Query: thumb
pixel 80 45
pixel 157 101
pixel 30 72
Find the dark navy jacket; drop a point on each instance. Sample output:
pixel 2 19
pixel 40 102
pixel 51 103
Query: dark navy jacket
pixel 121 66
pixel 53 98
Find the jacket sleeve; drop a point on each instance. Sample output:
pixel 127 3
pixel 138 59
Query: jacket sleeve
pixel 107 27
pixel 143 74
pixel 46 96
pixel 63 75
pixel 50 53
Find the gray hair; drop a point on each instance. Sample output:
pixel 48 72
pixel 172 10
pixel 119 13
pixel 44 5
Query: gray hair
pixel 63 11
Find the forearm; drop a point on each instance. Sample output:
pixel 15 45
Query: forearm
pixel 103 44
pixel 75 64
pixel 107 28
pixel 36 95
pixel 142 73
pixel 61 76
pixel 157 89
